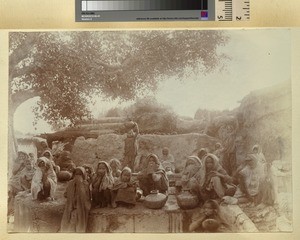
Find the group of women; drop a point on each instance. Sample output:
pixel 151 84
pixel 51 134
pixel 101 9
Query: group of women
pixel 110 185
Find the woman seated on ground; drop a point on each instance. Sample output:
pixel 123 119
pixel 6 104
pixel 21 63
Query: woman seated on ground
pixel 102 184
pixel 44 181
pixel 167 160
pixel 115 165
pixel 124 190
pixel 49 155
pixel 191 175
pixel 210 219
pixel 153 177
pixel 78 203
pixel 27 174
pixel 251 177
pixel 215 182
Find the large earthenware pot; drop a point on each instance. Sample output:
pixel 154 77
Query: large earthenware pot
pixel 63 176
pixel 187 200
pixel 155 200
pixel 210 225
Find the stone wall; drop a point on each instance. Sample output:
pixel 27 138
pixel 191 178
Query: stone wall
pixel 112 146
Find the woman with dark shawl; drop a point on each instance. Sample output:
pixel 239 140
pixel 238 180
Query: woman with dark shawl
pixel 191 174
pixel 153 177
pixel 78 203
pixel 216 183
pixel 124 189
pixel 102 184
pixel 44 181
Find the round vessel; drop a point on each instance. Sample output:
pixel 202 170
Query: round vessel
pixel 187 200
pixel 155 200
pixel 63 176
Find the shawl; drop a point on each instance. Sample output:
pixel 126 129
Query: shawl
pixel 253 176
pixel 107 180
pixel 216 167
pixel 164 182
pixel 259 155
pixel 37 184
pixel 78 205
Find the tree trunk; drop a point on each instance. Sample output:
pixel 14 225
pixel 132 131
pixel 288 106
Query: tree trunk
pixel 15 100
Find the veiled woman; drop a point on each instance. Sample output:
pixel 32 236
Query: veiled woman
pixel 216 183
pixel 153 177
pixel 78 203
pixel 191 175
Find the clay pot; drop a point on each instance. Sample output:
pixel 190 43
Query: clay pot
pixel 63 176
pixel 210 225
pixel 155 200
pixel 186 200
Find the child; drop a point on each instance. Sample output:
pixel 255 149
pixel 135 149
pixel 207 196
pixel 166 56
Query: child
pixel 115 167
pixel 27 175
pixel 78 203
pixel 102 184
pixel 124 190
pixel 210 219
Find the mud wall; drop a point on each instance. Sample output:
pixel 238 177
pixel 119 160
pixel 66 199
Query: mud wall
pixel 112 146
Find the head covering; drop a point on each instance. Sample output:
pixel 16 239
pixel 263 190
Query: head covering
pixel 218 145
pixel 195 160
pixel 47 151
pixel 192 171
pixel 154 157
pixel 202 151
pixel 107 180
pixel 115 161
pixel 82 170
pixel 126 169
pixel 256 146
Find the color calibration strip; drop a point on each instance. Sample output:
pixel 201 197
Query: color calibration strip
pixel 144 5
pixel 161 10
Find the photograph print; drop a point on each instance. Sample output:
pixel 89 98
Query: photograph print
pixel 150 131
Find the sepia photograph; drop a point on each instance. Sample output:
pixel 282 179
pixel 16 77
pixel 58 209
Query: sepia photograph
pixel 150 131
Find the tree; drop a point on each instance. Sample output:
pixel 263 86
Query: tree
pixel 66 69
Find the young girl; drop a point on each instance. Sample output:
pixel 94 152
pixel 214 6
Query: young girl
pixel 124 190
pixel 78 203
pixel 210 219
pixel 102 184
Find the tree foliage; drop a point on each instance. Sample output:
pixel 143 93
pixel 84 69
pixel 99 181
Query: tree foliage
pixel 67 69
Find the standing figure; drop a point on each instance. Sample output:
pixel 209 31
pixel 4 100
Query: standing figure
pixel 102 184
pixel 131 145
pixel 125 189
pixel 167 160
pixel 44 181
pixel 210 220
pixel 78 203
pixel 216 183
pixel 153 177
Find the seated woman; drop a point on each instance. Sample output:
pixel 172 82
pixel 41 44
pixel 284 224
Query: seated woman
pixel 102 184
pixel 115 165
pixel 49 155
pixel 124 190
pixel 210 219
pixel 153 177
pixel 78 205
pixel 66 166
pixel 251 177
pixel 167 160
pixel 27 174
pixel 215 183
pixel 191 175
pixel 44 181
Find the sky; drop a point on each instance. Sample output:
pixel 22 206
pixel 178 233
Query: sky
pixel 259 59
